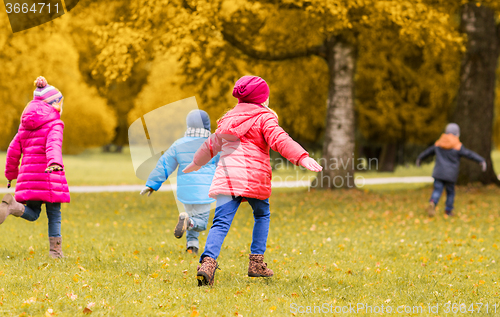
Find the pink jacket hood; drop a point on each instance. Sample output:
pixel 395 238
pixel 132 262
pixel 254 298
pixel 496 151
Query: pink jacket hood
pixel 238 121
pixel 38 113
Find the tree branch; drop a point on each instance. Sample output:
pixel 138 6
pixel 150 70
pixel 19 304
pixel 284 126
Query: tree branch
pixel 287 5
pixel 186 5
pixel 318 50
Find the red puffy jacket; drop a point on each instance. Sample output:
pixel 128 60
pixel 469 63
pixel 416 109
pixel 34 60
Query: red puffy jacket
pixel 244 136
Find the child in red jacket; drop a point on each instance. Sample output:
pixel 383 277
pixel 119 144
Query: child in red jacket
pixel 244 136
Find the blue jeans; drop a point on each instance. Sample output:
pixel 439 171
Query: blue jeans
pixel 224 214
pixel 199 215
pixel 33 209
pixel 439 185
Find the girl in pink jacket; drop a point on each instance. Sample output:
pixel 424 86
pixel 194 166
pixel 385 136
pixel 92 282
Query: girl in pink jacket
pixel 41 178
pixel 244 136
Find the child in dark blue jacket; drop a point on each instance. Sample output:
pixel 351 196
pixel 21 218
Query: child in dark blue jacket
pixel 448 150
pixel 192 189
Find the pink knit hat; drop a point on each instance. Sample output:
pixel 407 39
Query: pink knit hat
pixel 251 89
pixel 46 92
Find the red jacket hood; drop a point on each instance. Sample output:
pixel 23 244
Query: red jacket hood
pixel 38 113
pixel 240 119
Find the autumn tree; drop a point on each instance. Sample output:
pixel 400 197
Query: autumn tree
pixel 98 27
pixel 212 35
pixel 26 55
pixel 476 97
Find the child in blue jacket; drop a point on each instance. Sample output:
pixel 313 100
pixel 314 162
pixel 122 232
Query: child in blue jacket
pixel 192 189
pixel 448 150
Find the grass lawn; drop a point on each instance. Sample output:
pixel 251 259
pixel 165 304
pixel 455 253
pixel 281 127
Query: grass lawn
pixel 329 249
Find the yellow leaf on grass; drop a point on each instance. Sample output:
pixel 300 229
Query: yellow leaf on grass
pixel 194 313
pixel 481 282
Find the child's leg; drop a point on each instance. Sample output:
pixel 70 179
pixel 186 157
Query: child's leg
pixel 198 214
pixel 262 217
pixel 450 197
pixel 438 190
pixel 54 216
pixel 32 210
pixel 55 239
pixel 224 214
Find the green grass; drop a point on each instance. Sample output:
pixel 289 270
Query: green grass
pixel 334 248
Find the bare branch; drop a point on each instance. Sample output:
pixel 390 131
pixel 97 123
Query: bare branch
pixel 318 50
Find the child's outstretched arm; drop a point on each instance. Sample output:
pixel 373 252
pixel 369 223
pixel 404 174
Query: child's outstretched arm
pixel 471 155
pixel 431 150
pixel 210 148
pixel 166 165
pixel 282 143
pixel 53 148
pixel 13 157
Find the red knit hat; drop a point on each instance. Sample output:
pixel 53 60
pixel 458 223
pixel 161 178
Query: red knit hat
pixel 251 89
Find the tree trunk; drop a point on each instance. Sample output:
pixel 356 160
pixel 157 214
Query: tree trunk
pixel 388 157
pixel 338 148
pixel 476 95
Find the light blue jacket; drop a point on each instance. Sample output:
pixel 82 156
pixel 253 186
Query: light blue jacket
pixel 192 188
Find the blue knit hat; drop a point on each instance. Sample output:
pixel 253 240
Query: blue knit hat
pixel 452 128
pixel 198 119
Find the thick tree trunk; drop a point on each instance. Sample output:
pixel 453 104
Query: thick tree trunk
pixel 476 95
pixel 388 157
pixel 338 159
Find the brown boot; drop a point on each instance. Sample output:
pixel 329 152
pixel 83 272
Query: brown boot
pixel 55 251
pixel 9 206
pixel 431 209
pixel 257 267
pixel 206 273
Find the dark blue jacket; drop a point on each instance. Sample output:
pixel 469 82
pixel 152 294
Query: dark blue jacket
pixel 192 188
pixel 448 160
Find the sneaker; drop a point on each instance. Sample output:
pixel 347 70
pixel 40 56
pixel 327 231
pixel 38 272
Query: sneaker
pixel 182 225
pixel 431 209
pixel 206 272
pixel 193 250
pixel 449 213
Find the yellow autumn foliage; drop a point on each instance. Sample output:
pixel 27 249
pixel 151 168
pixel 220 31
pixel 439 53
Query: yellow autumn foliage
pixel 48 51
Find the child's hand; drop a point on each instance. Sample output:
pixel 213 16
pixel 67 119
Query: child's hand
pixel 483 166
pixel 191 168
pixel 311 164
pixel 54 168
pixel 147 190
pixel 417 163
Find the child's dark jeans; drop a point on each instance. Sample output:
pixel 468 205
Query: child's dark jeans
pixel 439 185
pixel 33 209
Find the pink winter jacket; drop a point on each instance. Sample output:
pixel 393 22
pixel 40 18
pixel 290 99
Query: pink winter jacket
pixel 244 136
pixel 39 141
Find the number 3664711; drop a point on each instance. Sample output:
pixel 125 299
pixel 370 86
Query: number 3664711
pixel 36 8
